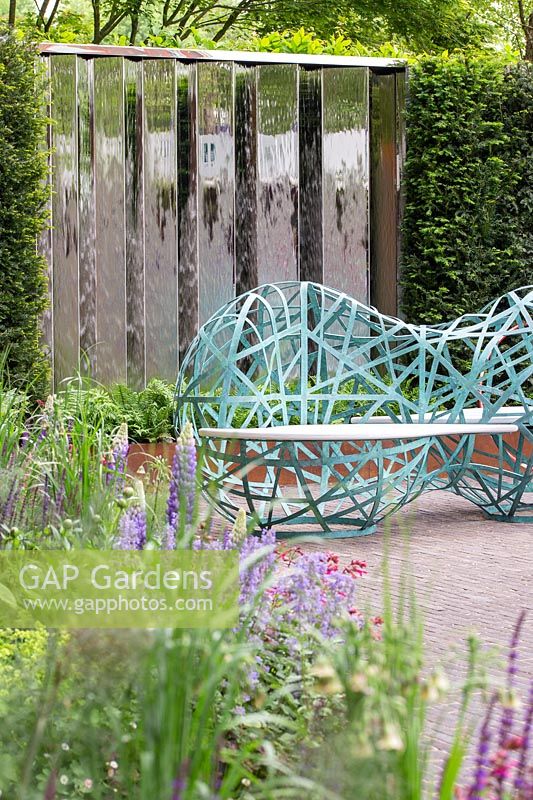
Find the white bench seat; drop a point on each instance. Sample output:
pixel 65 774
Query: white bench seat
pixel 509 413
pixel 369 431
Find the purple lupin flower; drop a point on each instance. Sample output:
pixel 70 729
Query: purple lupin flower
pixel 189 471
pixel 182 484
pixel 169 538
pixel 174 490
pixel 520 782
pixel 132 527
pixel 116 460
pixel 483 759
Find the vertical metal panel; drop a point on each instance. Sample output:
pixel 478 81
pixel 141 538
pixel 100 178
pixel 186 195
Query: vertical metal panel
pixel 245 178
pixel 87 216
pixel 216 186
pixel 134 217
pixel 310 187
pixel 277 173
pixel 65 217
pixel 383 193
pixel 401 144
pixel 45 239
pixel 187 204
pixel 110 246
pixel 161 275
pixel 345 179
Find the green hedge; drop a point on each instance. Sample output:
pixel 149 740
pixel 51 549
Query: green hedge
pixel 468 224
pixel 22 198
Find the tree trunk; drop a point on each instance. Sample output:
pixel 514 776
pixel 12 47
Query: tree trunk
pixel 529 38
pixel 96 21
pixel 12 13
pixel 134 28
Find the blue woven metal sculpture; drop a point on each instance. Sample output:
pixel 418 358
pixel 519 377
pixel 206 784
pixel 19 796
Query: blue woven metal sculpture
pixel 299 352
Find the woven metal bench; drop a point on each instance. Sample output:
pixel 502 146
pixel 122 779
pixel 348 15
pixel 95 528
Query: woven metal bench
pixel 363 469
pixel 273 380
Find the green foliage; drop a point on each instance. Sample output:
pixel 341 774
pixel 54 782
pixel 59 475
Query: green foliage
pixel 148 413
pixel 467 232
pixel 22 218
pixel 307 42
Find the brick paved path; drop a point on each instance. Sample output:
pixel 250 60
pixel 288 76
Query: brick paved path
pixel 471 574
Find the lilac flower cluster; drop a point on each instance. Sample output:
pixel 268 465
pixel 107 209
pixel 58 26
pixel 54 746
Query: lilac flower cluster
pixel 313 595
pixel 132 528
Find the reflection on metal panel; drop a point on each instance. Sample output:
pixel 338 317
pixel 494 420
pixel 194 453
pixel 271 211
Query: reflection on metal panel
pixel 310 187
pixel 65 217
pixel 277 173
pixel 401 87
pixel 134 218
pixel 176 183
pixel 45 239
pixel 86 216
pixel 245 178
pixel 345 180
pixel 187 205
pixel 161 276
pixel 110 248
pixel 216 186
pixel 384 201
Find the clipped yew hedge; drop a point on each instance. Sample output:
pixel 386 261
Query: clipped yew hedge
pixel 22 217
pixel 468 224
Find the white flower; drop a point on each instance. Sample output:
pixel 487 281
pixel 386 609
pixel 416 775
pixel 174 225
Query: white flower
pixel 87 783
pixel 63 780
pixel 392 739
pixel 65 747
pixel 113 765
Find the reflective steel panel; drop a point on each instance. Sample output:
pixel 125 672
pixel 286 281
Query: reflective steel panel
pixel 65 217
pixel 110 244
pixel 384 200
pixel 216 186
pixel 277 172
pixel 345 179
pixel 401 88
pixel 245 178
pixel 87 216
pixel 134 220
pixel 160 257
pixel 187 205
pixel 45 239
pixel 310 186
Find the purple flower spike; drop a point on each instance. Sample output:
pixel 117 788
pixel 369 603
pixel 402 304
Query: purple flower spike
pixel 116 460
pixel 520 782
pixel 182 486
pixel 483 757
pixel 132 526
pixel 173 501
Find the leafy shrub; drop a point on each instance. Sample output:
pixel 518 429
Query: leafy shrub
pixel 22 217
pixel 467 231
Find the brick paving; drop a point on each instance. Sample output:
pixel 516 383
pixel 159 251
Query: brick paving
pixel 471 575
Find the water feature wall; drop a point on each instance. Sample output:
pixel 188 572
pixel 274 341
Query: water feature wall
pixel 180 178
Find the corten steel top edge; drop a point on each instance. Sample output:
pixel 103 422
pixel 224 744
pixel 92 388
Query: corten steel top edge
pixel 243 57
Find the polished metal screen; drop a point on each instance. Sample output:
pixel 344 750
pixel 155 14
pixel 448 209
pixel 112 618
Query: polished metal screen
pixel 179 179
